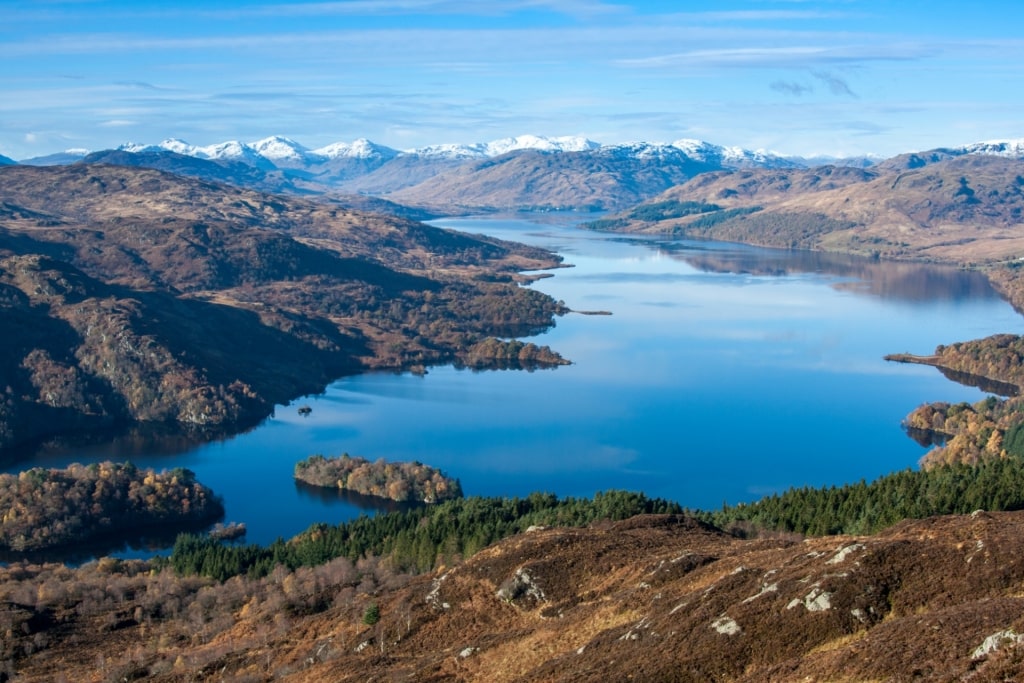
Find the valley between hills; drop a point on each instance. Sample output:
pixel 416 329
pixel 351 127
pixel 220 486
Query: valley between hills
pixel 136 295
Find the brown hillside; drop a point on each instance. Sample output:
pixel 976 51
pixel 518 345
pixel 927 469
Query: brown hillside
pixel 657 598
pixel 530 180
pixel 135 295
pixel 965 210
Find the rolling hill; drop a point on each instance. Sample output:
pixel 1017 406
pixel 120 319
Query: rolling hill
pixel 966 209
pixel 133 295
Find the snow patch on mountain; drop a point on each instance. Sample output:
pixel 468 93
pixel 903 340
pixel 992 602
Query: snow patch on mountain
pixel 646 151
pixel 567 143
pixel 1013 149
pixel 357 149
pixel 698 149
pixel 451 151
pixel 281 151
pixel 733 157
pixel 278 148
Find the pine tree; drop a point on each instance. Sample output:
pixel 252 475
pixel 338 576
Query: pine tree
pixel 371 615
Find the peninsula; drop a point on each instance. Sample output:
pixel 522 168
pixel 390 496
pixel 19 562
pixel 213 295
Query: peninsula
pixel 48 508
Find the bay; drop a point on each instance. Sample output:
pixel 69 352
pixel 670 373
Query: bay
pixel 724 373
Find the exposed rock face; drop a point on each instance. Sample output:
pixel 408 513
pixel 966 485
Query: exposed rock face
pixel 663 598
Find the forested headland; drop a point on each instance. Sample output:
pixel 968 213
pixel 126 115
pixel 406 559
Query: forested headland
pixel 403 482
pixel 988 429
pixel 47 508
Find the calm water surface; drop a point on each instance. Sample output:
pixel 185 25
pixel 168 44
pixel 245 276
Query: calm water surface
pixel 724 373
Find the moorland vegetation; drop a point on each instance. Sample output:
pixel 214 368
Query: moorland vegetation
pixel 133 295
pixel 107 273
pixel 297 609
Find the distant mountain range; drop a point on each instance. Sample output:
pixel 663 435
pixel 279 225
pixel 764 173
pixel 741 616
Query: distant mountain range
pixel 524 172
pixel 282 152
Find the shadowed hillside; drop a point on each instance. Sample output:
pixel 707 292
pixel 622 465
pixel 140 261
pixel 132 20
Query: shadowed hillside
pixel 135 295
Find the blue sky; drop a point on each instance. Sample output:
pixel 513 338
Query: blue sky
pixel 839 77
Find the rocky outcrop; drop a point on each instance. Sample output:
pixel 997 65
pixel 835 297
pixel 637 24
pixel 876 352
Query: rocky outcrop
pixel 664 598
pixel 652 598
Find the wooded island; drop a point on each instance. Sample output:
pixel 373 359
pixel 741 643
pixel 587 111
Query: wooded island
pixel 404 482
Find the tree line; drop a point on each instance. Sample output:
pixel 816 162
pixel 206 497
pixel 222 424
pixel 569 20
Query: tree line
pixel 865 508
pixel 419 540
pixel 414 540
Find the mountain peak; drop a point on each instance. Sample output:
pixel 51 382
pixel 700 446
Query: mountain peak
pixel 360 148
pixel 1004 148
pixel 565 143
pixel 279 148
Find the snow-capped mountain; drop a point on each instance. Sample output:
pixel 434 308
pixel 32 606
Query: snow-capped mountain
pixel 358 149
pixel 281 149
pixel 502 173
pixel 1013 149
pixel 482 150
pixel 231 150
pixel 558 144
pixel 287 153
pixel 282 152
pixel 645 151
pixel 526 171
pixel 452 151
pixel 733 157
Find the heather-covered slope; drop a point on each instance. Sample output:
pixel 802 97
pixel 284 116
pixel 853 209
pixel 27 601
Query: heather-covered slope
pixel 653 598
pixel 135 295
pixel 966 210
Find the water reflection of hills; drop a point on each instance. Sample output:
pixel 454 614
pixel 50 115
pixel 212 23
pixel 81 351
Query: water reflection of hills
pixel 915 282
pixel 368 503
pixel 128 443
pixel 989 386
pixel 139 544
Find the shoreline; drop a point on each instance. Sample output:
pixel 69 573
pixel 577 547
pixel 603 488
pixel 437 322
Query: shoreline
pixel 986 384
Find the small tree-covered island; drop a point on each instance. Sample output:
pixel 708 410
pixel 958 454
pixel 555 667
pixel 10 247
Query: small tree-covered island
pixel 404 482
pixel 47 508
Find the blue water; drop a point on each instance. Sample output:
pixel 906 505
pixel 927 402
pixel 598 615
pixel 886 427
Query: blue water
pixel 724 373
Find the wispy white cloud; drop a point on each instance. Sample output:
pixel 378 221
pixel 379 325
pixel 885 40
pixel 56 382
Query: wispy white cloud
pixel 65 11
pixel 579 8
pixel 774 57
pixel 417 72
pixel 791 88
pixel 836 85
pixel 765 15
